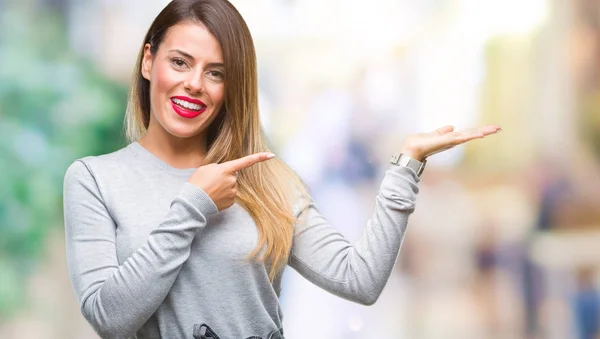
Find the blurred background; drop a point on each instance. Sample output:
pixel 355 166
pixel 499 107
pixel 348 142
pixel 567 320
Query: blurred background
pixel 505 240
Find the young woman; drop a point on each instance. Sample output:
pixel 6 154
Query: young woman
pixel 186 231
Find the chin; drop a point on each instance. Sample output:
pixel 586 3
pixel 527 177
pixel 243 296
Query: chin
pixel 184 131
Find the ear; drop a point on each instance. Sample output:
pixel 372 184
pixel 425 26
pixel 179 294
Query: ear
pixel 147 62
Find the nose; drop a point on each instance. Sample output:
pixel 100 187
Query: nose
pixel 194 83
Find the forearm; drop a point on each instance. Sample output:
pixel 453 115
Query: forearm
pixel 358 272
pixel 118 299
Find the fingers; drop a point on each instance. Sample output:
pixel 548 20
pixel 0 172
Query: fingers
pixel 487 130
pixel 444 130
pixel 445 138
pixel 247 161
pixel 469 134
pixel 474 133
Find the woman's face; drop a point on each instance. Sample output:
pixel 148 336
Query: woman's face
pixel 186 81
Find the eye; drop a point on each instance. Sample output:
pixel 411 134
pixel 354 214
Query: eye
pixel 178 62
pixel 216 75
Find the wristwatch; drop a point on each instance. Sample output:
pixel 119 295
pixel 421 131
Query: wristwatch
pixel 401 159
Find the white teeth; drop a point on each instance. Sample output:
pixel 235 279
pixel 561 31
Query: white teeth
pixel 188 105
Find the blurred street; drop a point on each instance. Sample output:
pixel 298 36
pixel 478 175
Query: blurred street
pixel 505 239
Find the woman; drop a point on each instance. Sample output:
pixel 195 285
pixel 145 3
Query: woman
pixel 186 231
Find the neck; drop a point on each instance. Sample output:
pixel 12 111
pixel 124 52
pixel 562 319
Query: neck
pixel 177 152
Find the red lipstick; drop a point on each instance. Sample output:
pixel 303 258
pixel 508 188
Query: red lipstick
pixel 194 107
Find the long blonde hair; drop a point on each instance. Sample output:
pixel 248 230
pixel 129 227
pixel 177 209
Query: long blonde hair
pixel 266 190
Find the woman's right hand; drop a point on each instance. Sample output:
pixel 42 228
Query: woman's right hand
pixel 219 181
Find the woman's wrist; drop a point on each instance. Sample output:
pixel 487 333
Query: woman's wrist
pixel 413 153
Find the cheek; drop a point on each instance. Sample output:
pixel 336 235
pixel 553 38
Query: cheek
pixel 217 95
pixel 163 80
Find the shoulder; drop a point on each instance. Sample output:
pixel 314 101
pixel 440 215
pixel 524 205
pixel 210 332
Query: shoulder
pixel 301 201
pixel 87 167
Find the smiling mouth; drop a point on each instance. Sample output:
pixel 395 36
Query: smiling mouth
pixel 188 105
pixel 186 108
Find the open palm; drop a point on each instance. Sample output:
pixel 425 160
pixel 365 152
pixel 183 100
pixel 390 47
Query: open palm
pixel 421 145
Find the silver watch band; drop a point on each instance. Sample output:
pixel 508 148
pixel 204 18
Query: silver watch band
pixel 406 161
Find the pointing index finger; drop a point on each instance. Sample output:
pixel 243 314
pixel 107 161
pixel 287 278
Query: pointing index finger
pixel 247 161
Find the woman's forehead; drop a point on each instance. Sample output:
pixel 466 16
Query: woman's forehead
pixel 194 39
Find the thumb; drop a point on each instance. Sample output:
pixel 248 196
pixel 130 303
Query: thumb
pixel 444 130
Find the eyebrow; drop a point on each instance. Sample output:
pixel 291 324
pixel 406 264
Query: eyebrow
pixel 189 56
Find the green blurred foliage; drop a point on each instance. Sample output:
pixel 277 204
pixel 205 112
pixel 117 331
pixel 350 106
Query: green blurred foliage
pixel 54 108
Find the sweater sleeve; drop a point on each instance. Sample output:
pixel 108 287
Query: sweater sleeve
pixel 118 299
pixel 357 272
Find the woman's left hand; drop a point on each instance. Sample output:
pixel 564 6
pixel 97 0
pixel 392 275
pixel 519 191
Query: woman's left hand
pixel 421 145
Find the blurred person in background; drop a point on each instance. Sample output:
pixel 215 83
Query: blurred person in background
pixel 187 229
pixel 586 304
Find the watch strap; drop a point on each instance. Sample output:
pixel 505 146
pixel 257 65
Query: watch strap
pixel 402 159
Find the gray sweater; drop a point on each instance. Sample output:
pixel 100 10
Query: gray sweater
pixel 149 255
